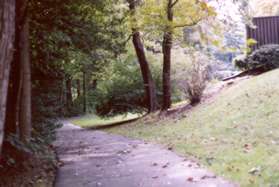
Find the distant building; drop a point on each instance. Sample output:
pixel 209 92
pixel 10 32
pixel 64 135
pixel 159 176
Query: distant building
pixel 265 32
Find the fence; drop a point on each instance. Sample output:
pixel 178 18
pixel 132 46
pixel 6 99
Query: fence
pixel 267 31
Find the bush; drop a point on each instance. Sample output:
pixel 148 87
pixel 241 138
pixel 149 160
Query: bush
pixel 266 58
pixel 195 77
pixel 120 88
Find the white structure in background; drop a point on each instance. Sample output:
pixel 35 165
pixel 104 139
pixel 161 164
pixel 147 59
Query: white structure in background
pixel 262 8
pixel 231 30
pixel 229 34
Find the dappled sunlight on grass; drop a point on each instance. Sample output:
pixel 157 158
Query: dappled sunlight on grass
pixel 236 135
pixel 92 120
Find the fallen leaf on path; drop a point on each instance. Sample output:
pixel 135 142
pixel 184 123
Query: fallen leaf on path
pixel 190 179
pixel 155 164
pixel 170 148
pixel 166 165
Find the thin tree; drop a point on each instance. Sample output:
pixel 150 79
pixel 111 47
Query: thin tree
pixel 84 92
pixel 25 118
pixel 188 13
pixel 69 95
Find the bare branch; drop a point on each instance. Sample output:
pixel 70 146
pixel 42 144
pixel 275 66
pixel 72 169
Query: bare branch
pixel 128 39
pixel 186 25
pixel 174 3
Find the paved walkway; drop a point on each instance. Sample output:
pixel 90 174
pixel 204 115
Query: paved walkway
pixel 94 159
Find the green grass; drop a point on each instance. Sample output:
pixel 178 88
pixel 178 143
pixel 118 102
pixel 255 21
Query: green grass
pixel 92 120
pixel 232 135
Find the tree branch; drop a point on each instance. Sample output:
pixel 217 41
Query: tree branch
pixel 174 3
pixel 128 39
pixel 189 24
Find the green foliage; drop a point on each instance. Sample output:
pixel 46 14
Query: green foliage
pixel 151 17
pixel 63 31
pixel 251 42
pixel 39 145
pixel 69 38
pixel 120 88
pixel 266 57
pixel 45 131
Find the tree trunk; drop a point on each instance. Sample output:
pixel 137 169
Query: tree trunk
pixel 78 88
pixel 84 93
pixel 15 86
pixel 7 36
pixel 25 121
pixel 149 85
pixel 167 46
pixel 69 95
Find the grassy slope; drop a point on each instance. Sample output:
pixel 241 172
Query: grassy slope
pixel 235 134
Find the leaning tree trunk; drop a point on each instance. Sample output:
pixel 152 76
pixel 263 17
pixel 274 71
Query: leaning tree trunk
pixel 167 46
pixel 7 35
pixel 149 85
pixel 25 120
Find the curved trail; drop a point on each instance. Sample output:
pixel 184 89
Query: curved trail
pixel 94 159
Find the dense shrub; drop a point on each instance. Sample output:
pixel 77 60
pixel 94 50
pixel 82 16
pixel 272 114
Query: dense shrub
pixel 266 58
pixel 120 88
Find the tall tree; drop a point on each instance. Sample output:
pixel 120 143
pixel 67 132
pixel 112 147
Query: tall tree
pixel 149 85
pixel 167 45
pixel 178 14
pixel 20 80
pixel 25 119
pixel 164 21
pixel 7 36
pixel 19 116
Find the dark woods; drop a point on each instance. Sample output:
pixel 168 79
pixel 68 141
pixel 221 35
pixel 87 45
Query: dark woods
pixel 54 60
